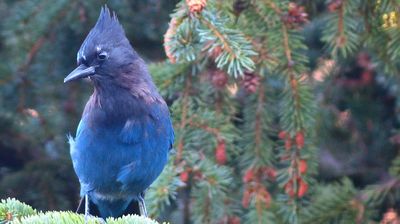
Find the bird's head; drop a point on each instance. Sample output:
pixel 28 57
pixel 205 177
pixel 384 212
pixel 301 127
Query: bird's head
pixel 104 51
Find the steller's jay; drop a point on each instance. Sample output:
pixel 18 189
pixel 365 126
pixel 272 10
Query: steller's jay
pixel 125 134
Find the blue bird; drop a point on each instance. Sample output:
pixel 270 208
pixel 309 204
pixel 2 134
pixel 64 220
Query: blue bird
pixel 125 133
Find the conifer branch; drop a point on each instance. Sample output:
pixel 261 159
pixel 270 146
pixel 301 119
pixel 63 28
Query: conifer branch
pixel 22 69
pixel 237 51
pixel 185 108
pixel 215 132
pixel 41 40
pixel 341 38
pixel 288 53
pixel 207 207
pixel 342 33
pixel 263 53
pixel 274 7
pixel 226 45
pixel 258 122
pixel 341 20
pixel 292 78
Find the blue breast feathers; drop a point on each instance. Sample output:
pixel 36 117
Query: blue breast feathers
pixel 122 157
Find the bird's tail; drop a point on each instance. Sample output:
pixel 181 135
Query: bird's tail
pixel 131 209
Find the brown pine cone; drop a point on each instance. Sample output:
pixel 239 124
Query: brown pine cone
pixel 219 79
pixel 295 16
pixel 220 152
pixel 251 82
pixel 390 217
pixel 196 5
pixel 240 5
pixel 216 52
pixel 334 5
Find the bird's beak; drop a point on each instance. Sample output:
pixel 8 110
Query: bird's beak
pixel 82 71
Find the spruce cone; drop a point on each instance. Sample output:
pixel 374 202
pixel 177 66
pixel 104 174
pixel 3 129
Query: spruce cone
pixel 390 217
pixel 184 176
pixel 246 197
pixel 299 139
pixel 196 5
pixel 240 5
pixel 219 79
pixel 295 16
pixel 234 220
pixel 264 196
pixel 248 176
pixel 216 52
pixel 335 5
pixel 303 166
pixel 302 188
pixel 251 82
pixel 220 152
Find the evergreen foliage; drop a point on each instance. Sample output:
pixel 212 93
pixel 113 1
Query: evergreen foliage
pixel 335 203
pixel 13 211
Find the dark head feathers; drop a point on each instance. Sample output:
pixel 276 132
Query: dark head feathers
pixel 107 33
pixel 108 20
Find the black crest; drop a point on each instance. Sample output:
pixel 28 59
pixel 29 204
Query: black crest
pixel 108 23
pixel 107 33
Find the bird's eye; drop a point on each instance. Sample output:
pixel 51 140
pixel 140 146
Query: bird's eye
pixel 102 56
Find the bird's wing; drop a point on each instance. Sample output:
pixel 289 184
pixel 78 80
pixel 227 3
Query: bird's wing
pixel 153 134
pixel 132 131
pixel 156 123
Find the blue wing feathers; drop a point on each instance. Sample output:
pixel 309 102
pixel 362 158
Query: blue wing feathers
pixel 131 132
pixel 155 135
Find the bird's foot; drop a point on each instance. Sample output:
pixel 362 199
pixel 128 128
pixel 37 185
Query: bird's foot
pixel 90 219
pixel 142 205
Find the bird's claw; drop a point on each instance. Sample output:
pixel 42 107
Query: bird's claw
pixel 142 206
pixel 88 216
pixel 90 219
